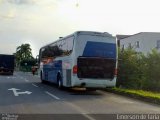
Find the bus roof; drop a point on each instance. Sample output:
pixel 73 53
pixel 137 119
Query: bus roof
pixel 82 33
pixel 94 33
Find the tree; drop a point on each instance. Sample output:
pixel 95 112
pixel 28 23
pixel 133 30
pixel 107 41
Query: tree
pixel 139 71
pixel 130 73
pixel 23 52
pixel 152 69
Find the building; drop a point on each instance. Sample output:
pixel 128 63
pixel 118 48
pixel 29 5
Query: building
pixel 142 42
pixel 119 37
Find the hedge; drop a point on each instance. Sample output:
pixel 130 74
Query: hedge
pixel 139 71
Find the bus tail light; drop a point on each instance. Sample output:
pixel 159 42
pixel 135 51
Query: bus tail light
pixel 75 68
pixel 115 72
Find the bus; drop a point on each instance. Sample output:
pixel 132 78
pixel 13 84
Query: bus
pixel 84 59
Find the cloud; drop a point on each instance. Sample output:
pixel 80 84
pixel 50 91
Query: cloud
pixel 31 2
pixel 10 15
pixel 19 2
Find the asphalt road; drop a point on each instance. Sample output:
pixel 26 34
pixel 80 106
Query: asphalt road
pixel 33 97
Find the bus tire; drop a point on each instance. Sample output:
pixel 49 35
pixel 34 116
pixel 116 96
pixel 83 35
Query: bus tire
pixel 42 81
pixel 59 81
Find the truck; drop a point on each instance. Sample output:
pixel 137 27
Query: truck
pixel 7 64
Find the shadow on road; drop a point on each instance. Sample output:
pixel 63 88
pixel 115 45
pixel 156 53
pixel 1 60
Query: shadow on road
pixel 71 91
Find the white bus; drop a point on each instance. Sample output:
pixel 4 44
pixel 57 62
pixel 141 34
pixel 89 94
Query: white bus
pixel 83 59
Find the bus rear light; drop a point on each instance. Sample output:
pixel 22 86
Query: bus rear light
pixel 75 69
pixel 115 72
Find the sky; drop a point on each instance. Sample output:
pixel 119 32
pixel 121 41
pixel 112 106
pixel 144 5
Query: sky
pixel 39 22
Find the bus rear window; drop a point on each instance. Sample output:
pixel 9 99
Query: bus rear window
pixel 92 67
pixel 100 49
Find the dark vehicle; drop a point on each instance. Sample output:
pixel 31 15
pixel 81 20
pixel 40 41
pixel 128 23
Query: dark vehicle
pixel 6 64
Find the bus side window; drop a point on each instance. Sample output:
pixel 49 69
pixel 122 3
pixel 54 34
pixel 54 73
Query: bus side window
pixel 67 45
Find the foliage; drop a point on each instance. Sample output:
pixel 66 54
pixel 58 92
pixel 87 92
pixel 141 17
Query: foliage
pixel 23 52
pixel 138 71
pixel 129 69
pixel 139 92
pixel 26 65
pixel 152 97
pixel 29 62
pixel 152 71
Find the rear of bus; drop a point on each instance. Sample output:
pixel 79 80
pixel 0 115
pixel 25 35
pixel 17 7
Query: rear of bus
pixel 95 60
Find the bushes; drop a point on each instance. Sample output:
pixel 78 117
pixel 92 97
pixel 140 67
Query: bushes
pixel 129 70
pixel 152 71
pixel 26 65
pixel 138 71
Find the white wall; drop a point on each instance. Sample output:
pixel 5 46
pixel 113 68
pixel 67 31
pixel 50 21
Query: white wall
pixel 147 41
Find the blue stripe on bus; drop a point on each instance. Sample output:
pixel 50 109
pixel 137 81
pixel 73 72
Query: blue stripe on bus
pixel 100 49
pixel 50 71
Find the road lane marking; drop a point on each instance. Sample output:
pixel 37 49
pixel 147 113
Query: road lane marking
pixel 89 117
pixel 11 77
pixel 83 112
pixel 55 97
pixel 35 85
pixel 18 93
pixel 26 80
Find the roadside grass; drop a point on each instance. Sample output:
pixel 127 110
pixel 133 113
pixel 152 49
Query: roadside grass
pixel 147 96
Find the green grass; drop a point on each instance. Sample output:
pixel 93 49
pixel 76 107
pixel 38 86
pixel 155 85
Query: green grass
pixel 140 94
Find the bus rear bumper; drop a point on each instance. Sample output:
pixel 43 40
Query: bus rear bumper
pixel 93 83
